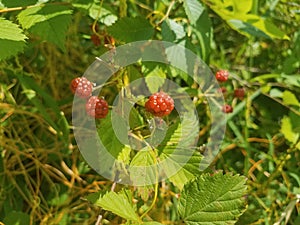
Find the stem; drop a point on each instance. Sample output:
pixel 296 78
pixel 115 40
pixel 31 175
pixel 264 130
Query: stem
pixel 30 6
pixel 155 191
pixel 96 19
pixel 246 136
pixel 167 13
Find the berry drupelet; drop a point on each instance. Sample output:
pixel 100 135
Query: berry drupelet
pixel 82 87
pixel 160 104
pixel 96 107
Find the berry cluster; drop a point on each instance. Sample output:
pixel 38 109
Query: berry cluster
pixel 160 104
pixel 95 107
pixel 239 93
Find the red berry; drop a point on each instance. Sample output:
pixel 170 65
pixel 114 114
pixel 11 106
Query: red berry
pixel 239 93
pixel 227 108
pixel 222 75
pixel 95 39
pixel 96 107
pixel 222 90
pixel 160 104
pixel 82 87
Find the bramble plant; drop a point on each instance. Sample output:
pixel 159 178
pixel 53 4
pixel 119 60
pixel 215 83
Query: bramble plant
pixel 146 133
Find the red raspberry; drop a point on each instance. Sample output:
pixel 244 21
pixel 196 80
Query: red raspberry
pixel 160 104
pixel 222 75
pixel 96 107
pixel 82 87
pixel 227 108
pixel 239 93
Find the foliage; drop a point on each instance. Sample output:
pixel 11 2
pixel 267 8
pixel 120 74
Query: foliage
pixel 253 180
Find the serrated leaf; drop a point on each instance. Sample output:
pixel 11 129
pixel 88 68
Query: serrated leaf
pixel 108 137
pixel 119 204
pixel 131 29
pixel 188 172
pixel 50 22
pixel 12 39
pixel 135 118
pixel 155 79
pixel 213 200
pixel 287 130
pixel 193 10
pixel 289 98
pixel 93 197
pixel 172 31
pixel 106 16
pixel 178 148
pixel 143 168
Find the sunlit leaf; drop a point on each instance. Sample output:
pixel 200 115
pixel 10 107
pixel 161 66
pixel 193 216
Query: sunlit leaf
pixel 50 22
pixel 155 79
pixel 119 204
pixel 183 159
pixel 193 10
pixel 287 130
pixel 12 39
pixel 211 200
pixel 289 98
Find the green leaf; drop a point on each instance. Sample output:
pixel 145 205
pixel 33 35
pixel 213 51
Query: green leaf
pixel 292 80
pixel 203 31
pixel 213 200
pixel 188 171
pixel 242 6
pixel 193 10
pixel 143 167
pixel 289 98
pixel 106 16
pixel 135 118
pixel 12 39
pixel 172 31
pixel 17 218
pixel 119 204
pixel 246 23
pixel 155 79
pixel 50 22
pixel 246 28
pixel 18 3
pixel 108 137
pixel 287 130
pixel 131 29
pixel 176 148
